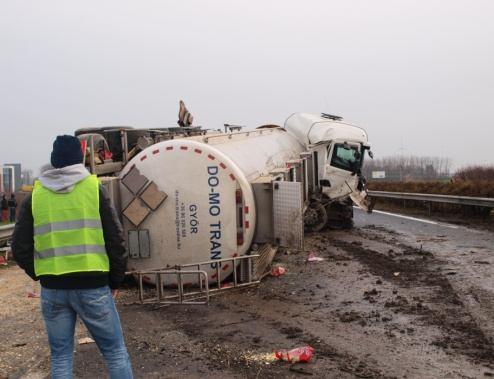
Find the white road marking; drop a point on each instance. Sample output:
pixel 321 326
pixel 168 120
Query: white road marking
pixel 416 219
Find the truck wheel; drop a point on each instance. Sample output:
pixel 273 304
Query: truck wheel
pixel 340 215
pixel 315 217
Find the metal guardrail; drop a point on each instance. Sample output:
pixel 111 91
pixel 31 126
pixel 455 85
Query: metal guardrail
pixel 6 232
pixel 459 200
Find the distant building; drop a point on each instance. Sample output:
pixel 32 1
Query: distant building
pixel 11 178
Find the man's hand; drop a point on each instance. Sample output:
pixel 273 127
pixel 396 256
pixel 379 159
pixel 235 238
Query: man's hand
pixel 114 293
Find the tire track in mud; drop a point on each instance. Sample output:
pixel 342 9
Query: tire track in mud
pixel 444 308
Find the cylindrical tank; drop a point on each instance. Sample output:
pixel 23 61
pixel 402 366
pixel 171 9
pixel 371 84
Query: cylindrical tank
pixel 209 212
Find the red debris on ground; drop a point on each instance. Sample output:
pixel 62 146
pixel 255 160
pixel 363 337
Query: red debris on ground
pixel 278 271
pixel 299 354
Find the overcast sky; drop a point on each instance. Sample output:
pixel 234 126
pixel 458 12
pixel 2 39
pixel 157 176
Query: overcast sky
pixel 417 75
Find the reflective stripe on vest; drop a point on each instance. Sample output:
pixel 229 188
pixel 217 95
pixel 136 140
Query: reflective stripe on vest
pixel 68 235
pixel 67 225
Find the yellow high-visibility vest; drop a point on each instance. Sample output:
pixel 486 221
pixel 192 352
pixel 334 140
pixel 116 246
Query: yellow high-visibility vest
pixel 68 235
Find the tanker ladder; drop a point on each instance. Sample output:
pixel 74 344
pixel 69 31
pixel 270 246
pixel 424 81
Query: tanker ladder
pixel 247 274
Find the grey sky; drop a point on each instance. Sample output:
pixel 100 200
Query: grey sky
pixel 415 74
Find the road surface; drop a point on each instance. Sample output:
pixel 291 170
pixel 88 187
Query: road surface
pixel 396 297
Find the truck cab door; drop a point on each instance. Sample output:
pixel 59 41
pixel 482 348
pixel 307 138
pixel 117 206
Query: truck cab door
pixel 339 169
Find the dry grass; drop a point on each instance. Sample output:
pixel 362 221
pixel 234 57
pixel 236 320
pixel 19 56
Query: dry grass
pixel 475 173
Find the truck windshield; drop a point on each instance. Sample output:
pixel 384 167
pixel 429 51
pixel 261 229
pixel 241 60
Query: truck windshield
pixel 345 157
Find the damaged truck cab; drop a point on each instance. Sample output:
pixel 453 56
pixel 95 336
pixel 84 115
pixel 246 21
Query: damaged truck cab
pixel 337 151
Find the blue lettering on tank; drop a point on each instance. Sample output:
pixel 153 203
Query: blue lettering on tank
pixel 214 210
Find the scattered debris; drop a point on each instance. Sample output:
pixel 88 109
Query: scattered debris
pixel 299 354
pixel 369 295
pixel 396 273
pixel 278 271
pixel 33 294
pixel 312 257
pixel 372 292
pixel 3 261
pixel 399 302
pixel 259 358
pixel 482 262
pixel 85 340
pixel 350 316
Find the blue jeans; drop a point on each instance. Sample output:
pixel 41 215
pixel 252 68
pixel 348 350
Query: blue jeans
pixel 97 310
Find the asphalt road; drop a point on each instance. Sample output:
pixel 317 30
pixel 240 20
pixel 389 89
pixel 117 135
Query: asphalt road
pixel 468 255
pixel 396 297
pixel 439 237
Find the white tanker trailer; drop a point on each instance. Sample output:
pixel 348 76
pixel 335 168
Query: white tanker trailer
pixel 189 196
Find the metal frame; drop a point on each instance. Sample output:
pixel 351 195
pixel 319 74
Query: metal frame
pixel 460 200
pixel 6 232
pixel 181 297
pixel 204 290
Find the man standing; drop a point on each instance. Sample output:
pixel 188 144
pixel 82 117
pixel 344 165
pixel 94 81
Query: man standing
pixel 4 216
pixel 69 237
pixel 12 207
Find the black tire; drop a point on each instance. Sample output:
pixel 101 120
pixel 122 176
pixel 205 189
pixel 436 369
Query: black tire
pixel 340 215
pixel 316 217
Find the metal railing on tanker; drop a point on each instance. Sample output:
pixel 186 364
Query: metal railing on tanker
pixel 244 275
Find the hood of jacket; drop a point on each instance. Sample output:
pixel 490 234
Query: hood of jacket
pixel 63 180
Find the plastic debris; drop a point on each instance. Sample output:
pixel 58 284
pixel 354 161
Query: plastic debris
pixel 314 258
pixel 85 340
pixel 299 354
pixel 396 274
pixel 278 271
pixel 3 262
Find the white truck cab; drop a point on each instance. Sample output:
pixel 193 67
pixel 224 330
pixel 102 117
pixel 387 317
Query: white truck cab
pixel 338 150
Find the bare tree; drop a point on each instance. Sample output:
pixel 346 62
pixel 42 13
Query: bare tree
pixel 406 168
pixel 475 173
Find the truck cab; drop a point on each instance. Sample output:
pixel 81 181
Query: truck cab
pixel 337 150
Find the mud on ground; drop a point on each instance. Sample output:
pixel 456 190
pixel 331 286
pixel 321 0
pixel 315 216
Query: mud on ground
pixel 374 308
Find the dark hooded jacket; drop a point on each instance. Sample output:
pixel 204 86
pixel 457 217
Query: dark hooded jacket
pixel 63 180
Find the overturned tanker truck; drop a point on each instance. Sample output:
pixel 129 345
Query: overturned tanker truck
pixel 188 195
